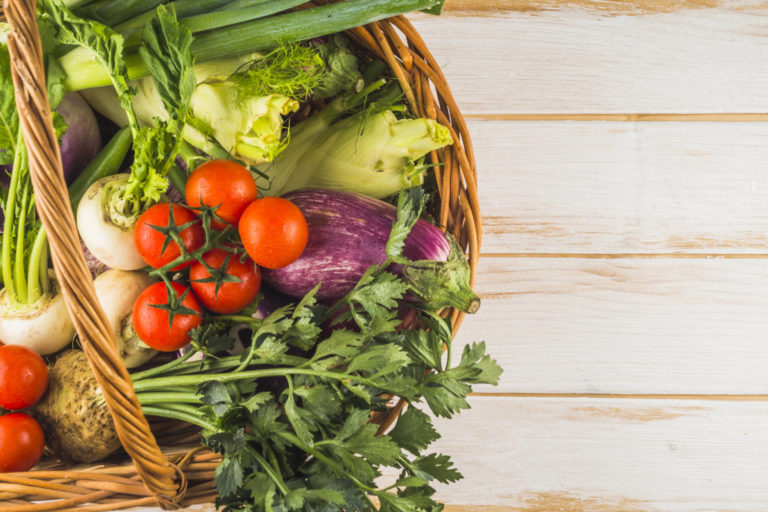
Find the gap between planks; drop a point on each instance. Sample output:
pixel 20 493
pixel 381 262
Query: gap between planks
pixel 617 256
pixel 687 118
pixel 638 396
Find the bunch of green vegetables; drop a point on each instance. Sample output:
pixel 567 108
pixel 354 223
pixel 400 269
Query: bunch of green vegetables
pixel 291 414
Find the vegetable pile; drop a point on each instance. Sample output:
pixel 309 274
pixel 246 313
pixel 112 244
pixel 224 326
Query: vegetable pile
pixel 256 231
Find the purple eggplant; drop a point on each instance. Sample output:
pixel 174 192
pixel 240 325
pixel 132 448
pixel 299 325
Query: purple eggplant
pixel 348 233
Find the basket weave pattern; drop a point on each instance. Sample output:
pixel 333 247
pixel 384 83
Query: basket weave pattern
pixel 181 473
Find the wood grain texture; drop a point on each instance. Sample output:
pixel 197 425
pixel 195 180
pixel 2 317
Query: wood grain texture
pixel 616 326
pixel 617 7
pixel 626 188
pixel 577 60
pixel 591 455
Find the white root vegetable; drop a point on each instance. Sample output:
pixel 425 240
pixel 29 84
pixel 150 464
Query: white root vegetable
pixel 117 291
pixel 44 327
pixel 107 233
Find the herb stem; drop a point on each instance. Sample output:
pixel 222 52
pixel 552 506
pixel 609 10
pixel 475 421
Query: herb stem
pixel 164 412
pixel 36 280
pixel 193 380
pixel 268 469
pixel 159 370
pixel 166 398
pixel 9 223
pixel 19 269
pixel 293 439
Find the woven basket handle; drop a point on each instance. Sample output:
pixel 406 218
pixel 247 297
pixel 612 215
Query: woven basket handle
pixel 161 478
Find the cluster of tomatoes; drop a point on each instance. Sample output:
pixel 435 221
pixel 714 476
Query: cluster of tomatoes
pixel 273 232
pixel 23 381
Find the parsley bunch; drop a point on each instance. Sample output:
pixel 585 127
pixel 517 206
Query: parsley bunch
pixel 291 416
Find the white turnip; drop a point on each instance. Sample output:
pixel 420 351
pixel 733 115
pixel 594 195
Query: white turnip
pixel 44 326
pixel 107 233
pixel 117 290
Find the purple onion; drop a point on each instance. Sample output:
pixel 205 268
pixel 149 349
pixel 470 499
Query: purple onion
pixel 82 140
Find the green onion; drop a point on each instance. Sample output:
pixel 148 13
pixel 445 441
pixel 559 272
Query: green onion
pixel 84 71
pixel 225 18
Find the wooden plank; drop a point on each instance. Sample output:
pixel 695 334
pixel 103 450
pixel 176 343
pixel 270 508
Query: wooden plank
pixel 574 57
pixel 592 455
pixel 617 326
pixel 637 188
pixel 491 7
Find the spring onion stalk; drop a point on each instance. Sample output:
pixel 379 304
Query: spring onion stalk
pixel 183 8
pixel 225 18
pixel 84 71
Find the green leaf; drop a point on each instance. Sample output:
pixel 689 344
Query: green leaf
pixel 393 503
pixel 254 402
pixel 489 370
pixel 411 481
pixel 410 204
pixel 304 332
pixel 436 467
pixel 445 393
pixel 377 295
pixel 228 476
pixel 341 342
pixel 259 485
pixel 216 395
pixel 414 431
pixel 376 449
pixel 271 349
pixel 320 401
pixel 424 346
pixel 167 51
pixel 379 360
pixel 297 417
pixel 106 45
pixel 356 419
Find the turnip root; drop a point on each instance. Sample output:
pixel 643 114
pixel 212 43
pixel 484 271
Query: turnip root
pixel 44 326
pixel 73 414
pixel 117 290
pixel 105 232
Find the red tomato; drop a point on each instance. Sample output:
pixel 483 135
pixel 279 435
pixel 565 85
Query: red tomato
pixel 21 442
pixel 231 297
pixel 149 241
pixel 23 377
pixel 152 323
pixel 274 232
pixel 221 183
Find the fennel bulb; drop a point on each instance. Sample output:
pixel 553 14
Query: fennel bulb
pixel 372 154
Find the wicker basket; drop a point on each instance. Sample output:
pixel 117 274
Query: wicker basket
pixel 169 468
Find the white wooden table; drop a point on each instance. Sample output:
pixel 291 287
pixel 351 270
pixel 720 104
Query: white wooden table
pixel 623 160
